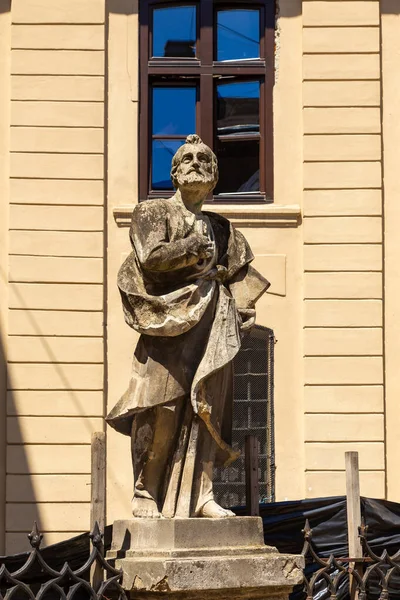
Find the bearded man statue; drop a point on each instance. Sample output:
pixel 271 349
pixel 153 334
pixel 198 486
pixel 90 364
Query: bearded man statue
pixel 188 288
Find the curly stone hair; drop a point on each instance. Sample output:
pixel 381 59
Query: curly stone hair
pixel 193 140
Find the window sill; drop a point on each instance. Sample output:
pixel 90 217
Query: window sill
pixel 258 215
pixel 241 215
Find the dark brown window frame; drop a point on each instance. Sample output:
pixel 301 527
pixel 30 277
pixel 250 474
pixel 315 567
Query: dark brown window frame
pixel 204 71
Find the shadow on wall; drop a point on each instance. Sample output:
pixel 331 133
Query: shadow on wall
pixel 390 7
pixel 285 8
pixel 3 443
pixel 19 488
pixel 5 6
pixel 15 478
pixel 123 7
pixel 40 458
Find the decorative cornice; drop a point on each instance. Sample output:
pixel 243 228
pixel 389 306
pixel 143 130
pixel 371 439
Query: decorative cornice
pixel 241 215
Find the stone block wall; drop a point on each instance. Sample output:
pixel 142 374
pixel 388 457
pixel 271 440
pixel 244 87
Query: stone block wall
pixel 343 315
pixel 55 345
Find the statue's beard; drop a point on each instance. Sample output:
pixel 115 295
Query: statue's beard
pixel 195 178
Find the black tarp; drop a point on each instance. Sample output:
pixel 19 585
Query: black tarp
pixel 283 523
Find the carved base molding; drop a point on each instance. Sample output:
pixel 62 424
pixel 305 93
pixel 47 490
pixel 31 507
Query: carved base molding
pixel 201 559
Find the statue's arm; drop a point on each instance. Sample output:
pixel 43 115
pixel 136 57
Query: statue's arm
pixel 168 256
pixel 149 235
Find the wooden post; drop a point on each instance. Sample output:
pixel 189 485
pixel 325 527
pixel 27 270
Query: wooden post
pixel 98 495
pixel 251 469
pixel 353 515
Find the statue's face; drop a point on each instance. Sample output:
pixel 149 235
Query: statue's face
pixel 195 168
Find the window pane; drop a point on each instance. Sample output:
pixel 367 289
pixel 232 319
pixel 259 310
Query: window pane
pixel 163 151
pixel 238 34
pixel 238 108
pixel 174 110
pixel 238 164
pixel 174 31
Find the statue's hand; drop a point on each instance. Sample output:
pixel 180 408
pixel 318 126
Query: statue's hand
pixel 248 316
pixel 200 245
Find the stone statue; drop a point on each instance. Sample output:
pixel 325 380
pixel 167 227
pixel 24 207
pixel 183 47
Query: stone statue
pixel 189 290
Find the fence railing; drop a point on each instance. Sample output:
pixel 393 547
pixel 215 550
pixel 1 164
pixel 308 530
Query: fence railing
pixel 371 576
pixel 366 577
pixel 37 580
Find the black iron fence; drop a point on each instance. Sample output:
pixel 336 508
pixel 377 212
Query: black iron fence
pixel 37 580
pixel 370 577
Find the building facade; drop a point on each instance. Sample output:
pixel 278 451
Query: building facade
pixel 70 157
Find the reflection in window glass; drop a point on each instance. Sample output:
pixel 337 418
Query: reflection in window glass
pixel 162 153
pixel 174 31
pixel 174 110
pixel 238 34
pixel 238 108
pixel 238 164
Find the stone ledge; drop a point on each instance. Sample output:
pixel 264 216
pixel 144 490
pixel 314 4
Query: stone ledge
pixel 156 535
pixel 204 575
pixel 241 215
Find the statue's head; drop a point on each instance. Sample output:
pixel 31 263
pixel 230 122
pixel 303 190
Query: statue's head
pixel 194 165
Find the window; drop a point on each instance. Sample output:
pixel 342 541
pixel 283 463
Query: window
pixel 253 414
pixel 207 67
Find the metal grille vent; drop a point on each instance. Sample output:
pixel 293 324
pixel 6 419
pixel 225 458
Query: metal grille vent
pixel 253 414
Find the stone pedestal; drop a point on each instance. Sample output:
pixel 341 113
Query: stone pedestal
pixel 201 559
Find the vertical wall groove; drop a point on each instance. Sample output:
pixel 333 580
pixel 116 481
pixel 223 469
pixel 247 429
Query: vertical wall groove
pixel 5 39
pixel 390 40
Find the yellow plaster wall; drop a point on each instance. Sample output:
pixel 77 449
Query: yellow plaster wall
pixel 55 346
pixel 343 258
pixel 390 15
